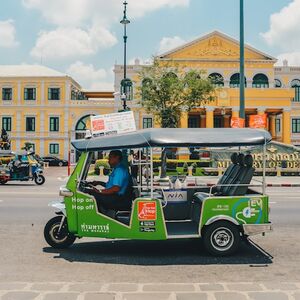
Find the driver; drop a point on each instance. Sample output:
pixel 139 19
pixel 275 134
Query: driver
pixel 114 195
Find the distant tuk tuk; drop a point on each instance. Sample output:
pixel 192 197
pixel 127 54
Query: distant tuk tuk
pixel 222 214
pixel 22 167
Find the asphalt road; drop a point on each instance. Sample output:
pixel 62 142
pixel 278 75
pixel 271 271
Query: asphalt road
pixel 25 256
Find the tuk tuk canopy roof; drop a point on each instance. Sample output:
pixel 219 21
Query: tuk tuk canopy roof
pixel 176 137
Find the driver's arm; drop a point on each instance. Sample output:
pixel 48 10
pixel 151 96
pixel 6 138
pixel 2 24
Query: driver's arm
pixel 102 183
pixel 113 190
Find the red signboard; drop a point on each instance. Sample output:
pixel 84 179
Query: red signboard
pixel 147 210
pixel 98 125
pixel 258 121
pixel 237 122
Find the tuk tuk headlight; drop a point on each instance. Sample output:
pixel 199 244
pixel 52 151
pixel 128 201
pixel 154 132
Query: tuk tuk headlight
pixel 65 192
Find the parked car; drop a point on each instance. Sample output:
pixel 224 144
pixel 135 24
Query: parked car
pixel 55 161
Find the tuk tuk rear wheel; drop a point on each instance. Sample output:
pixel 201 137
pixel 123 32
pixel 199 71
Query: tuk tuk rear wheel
pixel 39 179
pixel 221 238
pixel 59 239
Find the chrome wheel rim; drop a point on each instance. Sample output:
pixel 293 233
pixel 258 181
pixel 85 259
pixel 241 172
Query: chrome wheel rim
pixel 39 179
pixel 58 237
pixel 222 239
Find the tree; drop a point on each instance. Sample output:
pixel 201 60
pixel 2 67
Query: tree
pixel 168 90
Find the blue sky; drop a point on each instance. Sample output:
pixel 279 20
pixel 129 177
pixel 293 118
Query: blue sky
pixel 84 37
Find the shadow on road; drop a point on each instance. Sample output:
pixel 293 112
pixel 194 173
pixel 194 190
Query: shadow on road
pixel 171 252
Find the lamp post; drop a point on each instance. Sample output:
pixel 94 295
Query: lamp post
pixel 242 62
pixel 124 22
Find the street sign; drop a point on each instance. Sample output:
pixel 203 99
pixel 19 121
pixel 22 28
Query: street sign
pixel 110 124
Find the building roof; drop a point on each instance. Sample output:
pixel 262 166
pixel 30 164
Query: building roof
pixel 28 71
pixel 176 137
pixel 219 34
pixel 98 94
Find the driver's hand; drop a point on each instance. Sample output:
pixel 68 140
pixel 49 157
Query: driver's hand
pixel 94 183
pixel 96 190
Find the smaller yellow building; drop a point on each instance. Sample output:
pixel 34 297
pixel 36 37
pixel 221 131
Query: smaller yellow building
pixel 46 108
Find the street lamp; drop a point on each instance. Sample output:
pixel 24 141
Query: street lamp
pixel 126 84
pixel 242 62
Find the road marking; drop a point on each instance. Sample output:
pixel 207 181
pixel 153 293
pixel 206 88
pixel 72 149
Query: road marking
pixel 272 202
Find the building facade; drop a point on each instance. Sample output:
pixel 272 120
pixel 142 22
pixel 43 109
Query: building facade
pixel 48 108
pixel 270 89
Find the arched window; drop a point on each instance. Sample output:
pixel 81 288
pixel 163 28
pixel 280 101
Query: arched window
pixel 216 79
pixel 146 82
pixel 295 83
pixel 170 75
pixel 83 123
pixel 235 81
pixel 260 81
pixel 278 83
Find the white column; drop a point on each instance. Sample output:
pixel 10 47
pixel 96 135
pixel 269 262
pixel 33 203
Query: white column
pixel 19 93
pixel 137 119
pixel 42 133
pixel 42 93
pixel 66 134
pixel 67 91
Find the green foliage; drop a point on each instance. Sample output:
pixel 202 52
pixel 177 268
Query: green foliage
pixel 102 163
pixel 167 90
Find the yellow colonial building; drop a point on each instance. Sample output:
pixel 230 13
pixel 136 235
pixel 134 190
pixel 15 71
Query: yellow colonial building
pixel 48 108
pixel 270 89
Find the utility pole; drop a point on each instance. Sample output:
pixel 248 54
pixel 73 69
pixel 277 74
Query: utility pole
pixel 242 62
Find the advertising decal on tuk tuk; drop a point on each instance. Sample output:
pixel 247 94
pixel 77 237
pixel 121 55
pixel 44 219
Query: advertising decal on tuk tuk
pixel 248 210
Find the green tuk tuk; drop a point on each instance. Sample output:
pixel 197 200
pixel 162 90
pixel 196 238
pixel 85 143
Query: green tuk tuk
pixel 221 214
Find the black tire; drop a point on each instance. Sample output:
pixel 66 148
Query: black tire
pixel 59 241
pixel 39 179
pixel 2 182
pixel 60 164
pixel 221 238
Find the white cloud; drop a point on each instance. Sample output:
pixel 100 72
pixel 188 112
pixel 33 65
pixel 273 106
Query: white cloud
pixel 8 34
pixel 91 78
pixel 293 58
pixel 75 16
pixel 72 12
pixel 285 28
pixel 169 43
pixel 71 42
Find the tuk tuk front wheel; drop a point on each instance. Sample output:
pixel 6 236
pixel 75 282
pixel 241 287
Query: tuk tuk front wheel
pixel 39 179
pixel 56 237
pixel 221 238
pixel 3 181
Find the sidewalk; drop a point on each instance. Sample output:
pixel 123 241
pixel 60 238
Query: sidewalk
pixel 131 291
